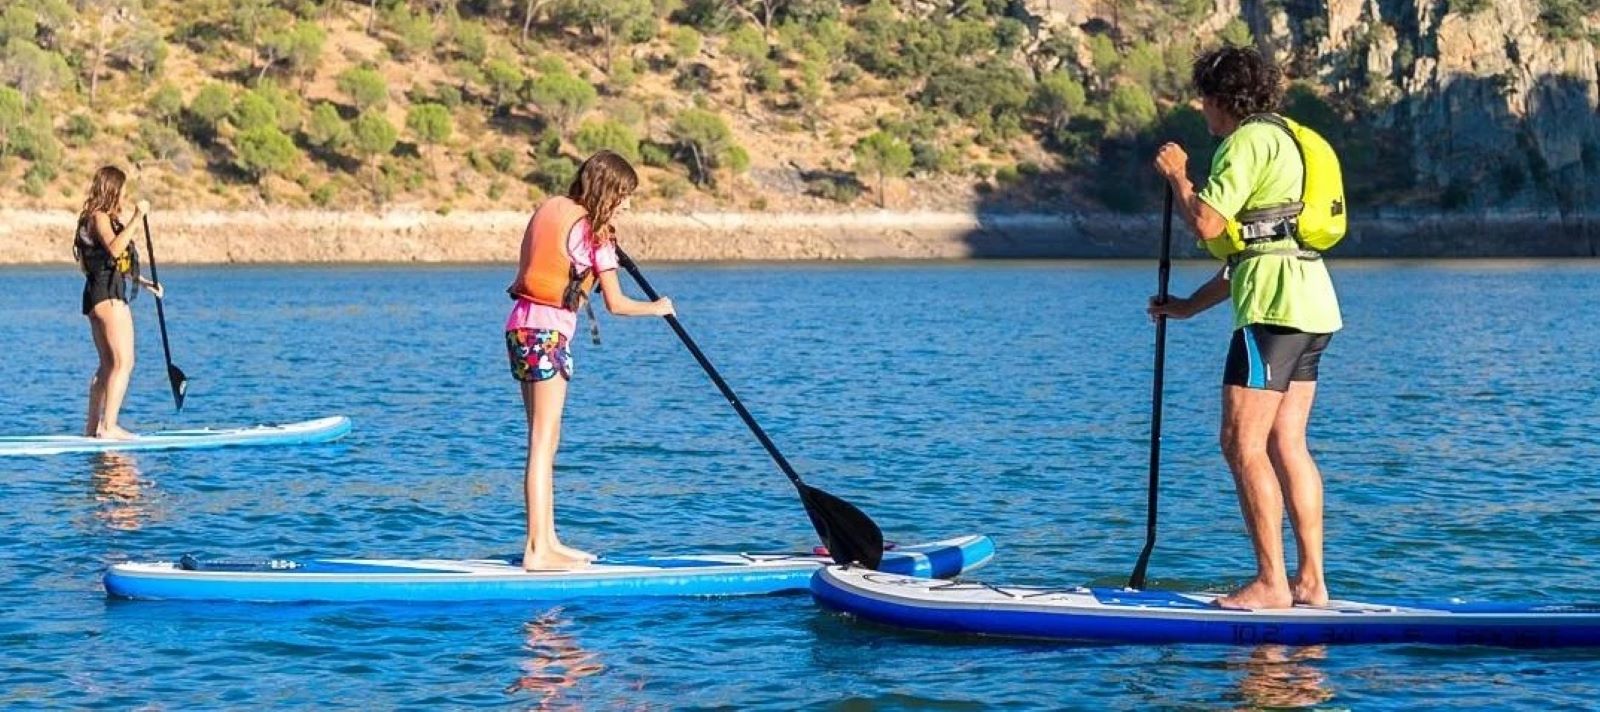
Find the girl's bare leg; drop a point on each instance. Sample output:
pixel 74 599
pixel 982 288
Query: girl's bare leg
pixel 544 402
pixel 117 322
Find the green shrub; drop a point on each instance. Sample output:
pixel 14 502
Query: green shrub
pixel 672 188
pixel 548 143
pixel 593 136
pixel 163 142
pixel 555 174
pixel 35 140
pixel 685 43
pixel 704 142
pixel 34 184
pixel 448 95
pixel 1130 110
pixel 80 130
pixel 430 123
pixel 767 78
pixel 326 129
pixel 563 96
pixel 253 111
pixel 1468 7
pixel 1236 34
pixel 414 32
pixel 373 135
pixel 655 155
pixel 503 159
pixel 883 155
pixel 264 151
pixel 933 157
pixel 211 105
pixel 505 81
pixel 472 41
pixel 623 74
pixel 838 191
pixel 365 88
pixel 166 103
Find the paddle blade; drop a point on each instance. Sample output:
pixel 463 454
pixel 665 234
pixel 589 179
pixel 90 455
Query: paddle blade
pixel 180 384
pixel 850 535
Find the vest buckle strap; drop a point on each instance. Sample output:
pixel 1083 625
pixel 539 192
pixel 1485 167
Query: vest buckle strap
pixel 1268 230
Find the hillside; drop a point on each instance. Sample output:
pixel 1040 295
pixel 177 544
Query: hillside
pixel 775 104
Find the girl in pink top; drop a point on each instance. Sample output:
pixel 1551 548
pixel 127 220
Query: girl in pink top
pixel 538 337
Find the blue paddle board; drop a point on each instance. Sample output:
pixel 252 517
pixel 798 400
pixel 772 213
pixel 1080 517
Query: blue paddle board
pixel 1124 615
pixel 310 431
pixel 504 579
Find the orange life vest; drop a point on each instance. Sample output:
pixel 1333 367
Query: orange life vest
pixel 545 272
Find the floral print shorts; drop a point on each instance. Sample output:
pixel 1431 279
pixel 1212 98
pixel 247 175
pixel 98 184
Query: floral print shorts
pixel 538 354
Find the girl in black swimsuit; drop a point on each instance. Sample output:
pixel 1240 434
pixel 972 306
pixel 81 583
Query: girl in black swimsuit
pixel 110 264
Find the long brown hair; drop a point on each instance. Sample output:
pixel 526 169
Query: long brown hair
pixel 602 183
pixel 105 192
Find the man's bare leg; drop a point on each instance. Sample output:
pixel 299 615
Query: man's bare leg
pixel 1247 418
pixel 1302 485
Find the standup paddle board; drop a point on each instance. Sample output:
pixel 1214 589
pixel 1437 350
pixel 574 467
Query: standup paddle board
pixel 1123 615
pixel 310 431
pixel 504 579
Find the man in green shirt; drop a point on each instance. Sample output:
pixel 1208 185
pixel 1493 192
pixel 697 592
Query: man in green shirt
pixel 1284 313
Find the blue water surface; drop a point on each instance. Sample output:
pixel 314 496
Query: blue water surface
pixel 1456 427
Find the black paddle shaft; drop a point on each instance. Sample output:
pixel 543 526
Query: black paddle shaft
pixel 1164 272
pixel 851 536
pixel 705 363
pixel 174 375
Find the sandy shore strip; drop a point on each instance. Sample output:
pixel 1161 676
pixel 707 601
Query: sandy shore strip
pixel 400 236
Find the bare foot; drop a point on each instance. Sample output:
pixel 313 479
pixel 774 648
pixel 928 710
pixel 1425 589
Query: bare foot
pixel 572 553
pixel 1258 595
pixel 1310 593
pixel 114 432
pixel 551 561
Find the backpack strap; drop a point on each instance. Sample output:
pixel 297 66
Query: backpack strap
pixel 1273 220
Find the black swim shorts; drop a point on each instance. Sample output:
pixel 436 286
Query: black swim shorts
pixel 1269 357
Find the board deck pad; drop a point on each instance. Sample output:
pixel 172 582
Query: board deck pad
pixel 502 578
pixel 309 431
pixel 1123 615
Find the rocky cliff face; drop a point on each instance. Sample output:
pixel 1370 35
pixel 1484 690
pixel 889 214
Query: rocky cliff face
pixel 1471 108
pixel 1493 109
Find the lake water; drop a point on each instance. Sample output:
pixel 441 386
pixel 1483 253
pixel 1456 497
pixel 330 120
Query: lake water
pixel 1455 426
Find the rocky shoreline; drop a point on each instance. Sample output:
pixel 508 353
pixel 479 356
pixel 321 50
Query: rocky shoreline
pixel 213 237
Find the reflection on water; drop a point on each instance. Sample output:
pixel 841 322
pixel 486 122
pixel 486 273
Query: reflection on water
pixel 556 661
pixel 120 491
pixel 1280 676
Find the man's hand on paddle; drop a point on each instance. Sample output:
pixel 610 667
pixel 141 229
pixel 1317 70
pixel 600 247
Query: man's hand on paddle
pixel 1174 308
pixel 1172 162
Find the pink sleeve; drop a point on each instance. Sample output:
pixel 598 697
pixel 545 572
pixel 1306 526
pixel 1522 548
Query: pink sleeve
pixel 578 243
pixel 605 258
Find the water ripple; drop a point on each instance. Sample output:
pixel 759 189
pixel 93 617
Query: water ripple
pixel 1455 428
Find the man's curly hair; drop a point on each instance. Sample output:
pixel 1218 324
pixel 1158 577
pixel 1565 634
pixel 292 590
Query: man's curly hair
pixel 1239 80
